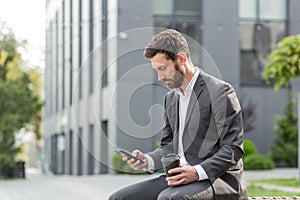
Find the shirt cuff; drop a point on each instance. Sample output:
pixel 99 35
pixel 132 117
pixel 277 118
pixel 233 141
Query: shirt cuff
pixel 150 163
pixel 201 173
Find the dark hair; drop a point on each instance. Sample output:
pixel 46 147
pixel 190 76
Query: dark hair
pixel 168 42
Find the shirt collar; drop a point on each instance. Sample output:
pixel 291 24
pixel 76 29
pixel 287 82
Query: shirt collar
pixel 190 86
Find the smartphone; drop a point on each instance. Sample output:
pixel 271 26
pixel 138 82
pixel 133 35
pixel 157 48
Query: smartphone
pixel 128 155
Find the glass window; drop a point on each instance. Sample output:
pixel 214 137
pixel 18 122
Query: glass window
pixel 164 7
pixel 247 9
pixel 71 52
pixel 272 9
pixel 71 152
pixel 264 28
pixel 104 76
pixel 79 152
pixel 257 40
pixel 63 54
pixel 91 46
pixel 80 50
pixel 104 147
pixel 187 7
pixel 56 62
pixel 189 26
pixel 91 163
pixel 265 9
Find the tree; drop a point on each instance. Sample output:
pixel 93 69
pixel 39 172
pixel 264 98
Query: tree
pixel 284 62
pixel 20 102
pixel 284 66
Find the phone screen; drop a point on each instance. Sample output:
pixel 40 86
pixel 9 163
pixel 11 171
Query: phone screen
pixel 129 156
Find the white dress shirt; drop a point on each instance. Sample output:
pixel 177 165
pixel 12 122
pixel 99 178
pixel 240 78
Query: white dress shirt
pixel 184 99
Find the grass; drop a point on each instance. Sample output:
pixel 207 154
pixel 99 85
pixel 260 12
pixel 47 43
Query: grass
pixel 291 182
pixel 256 191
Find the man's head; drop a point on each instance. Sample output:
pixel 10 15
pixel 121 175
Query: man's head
pixel 169 54
pixel 168 42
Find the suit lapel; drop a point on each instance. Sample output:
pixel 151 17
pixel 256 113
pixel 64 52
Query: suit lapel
pixel 194 97
pixel 176 121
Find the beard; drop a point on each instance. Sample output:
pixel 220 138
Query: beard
pixel 177 79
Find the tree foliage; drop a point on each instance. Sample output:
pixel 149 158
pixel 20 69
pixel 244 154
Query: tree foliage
pixel 283 66
pixel 284 62
pixel 20 102
pixel 284 147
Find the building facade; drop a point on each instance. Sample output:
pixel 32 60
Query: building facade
pixel 101 94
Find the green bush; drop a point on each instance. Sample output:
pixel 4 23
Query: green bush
pixel 258 162
pixel 117 163
pixel 284 148
pixel 249 148
pixel 121 167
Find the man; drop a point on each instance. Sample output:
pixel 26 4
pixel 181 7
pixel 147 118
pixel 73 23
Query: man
pixel 202 124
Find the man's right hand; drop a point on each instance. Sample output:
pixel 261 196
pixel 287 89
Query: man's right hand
pixel 137 165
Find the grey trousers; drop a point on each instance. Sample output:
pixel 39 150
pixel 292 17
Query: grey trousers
pixel 158 189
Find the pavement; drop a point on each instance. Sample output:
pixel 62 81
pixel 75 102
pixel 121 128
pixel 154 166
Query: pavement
pixel 98 187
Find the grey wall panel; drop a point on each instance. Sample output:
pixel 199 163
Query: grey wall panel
pixel 268 104
pixel 131 143
pixel 294 17
pixel 220 37
pixel 134 14
pixel 136 118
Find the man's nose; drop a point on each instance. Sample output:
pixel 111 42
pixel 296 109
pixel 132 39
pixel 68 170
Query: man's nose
pixel 161 76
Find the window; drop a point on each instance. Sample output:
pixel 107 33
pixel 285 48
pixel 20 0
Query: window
pixel 272 9
pixel 49 79
pixel 71 52
pixel 248 9
pixel 262 9
pixel 163 7
pixel 61 149
pixel 187 7
pixel 177 7
pixel 54 153
pixel 71 152
pixel 91 150
pixel 56 62
pixel 80 50
pixel 63 54
pixel 104 76
pixel 91 47
pixel 104 147
pixel 79 149
pixel 262 25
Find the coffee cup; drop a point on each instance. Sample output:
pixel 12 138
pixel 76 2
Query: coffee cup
pixel 170 161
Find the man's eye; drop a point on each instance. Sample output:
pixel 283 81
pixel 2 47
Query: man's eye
pixel 162 68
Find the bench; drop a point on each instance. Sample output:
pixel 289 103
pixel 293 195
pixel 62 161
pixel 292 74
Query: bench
pixel 273 198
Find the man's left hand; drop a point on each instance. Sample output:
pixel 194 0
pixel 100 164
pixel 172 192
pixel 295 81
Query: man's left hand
pixel 187 174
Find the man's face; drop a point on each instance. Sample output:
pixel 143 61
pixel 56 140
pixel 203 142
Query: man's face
pixel 167 71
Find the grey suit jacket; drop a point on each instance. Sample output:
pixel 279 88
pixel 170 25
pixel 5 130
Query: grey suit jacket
pixel 213 134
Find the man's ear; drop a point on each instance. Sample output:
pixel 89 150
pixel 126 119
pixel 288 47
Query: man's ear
pixel 181 58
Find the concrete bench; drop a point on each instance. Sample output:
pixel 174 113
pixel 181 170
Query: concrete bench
pixel 273 198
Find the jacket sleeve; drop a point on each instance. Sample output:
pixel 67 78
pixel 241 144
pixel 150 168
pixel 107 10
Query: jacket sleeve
pixel 227 114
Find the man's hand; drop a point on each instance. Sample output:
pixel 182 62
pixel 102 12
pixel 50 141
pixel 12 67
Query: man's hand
pixel 137 165
pixel 187 175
